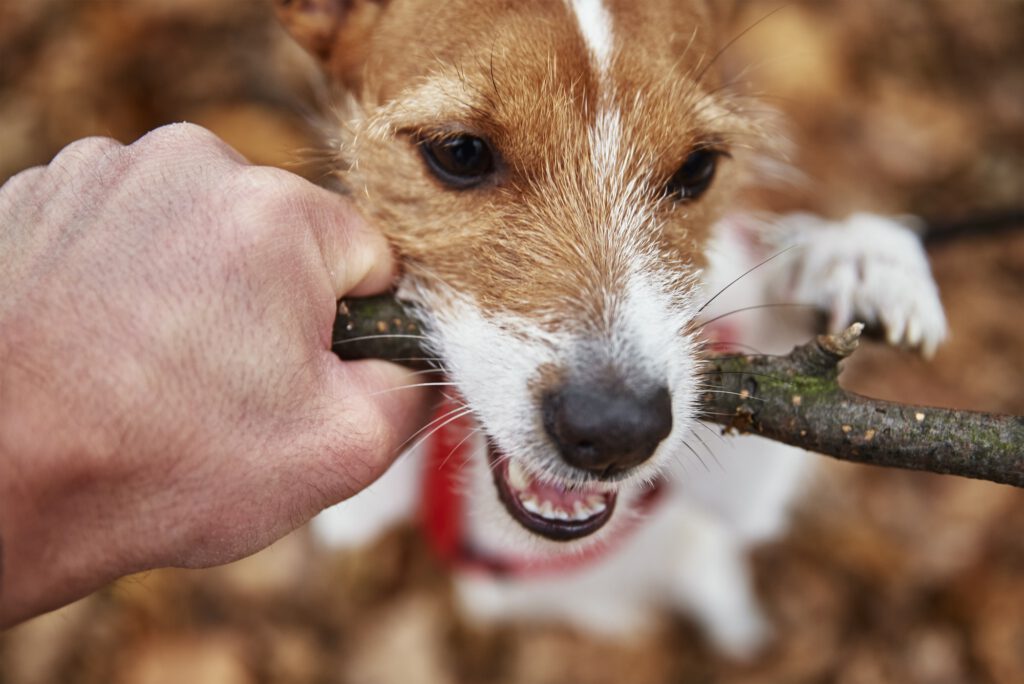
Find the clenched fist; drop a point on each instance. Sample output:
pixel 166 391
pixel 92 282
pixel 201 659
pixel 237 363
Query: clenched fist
pixel 168 396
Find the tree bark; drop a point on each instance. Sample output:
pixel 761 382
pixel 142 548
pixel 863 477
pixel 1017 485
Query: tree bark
pixel 794 399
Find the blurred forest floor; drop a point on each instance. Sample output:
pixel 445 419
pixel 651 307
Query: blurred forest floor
pixel 902 107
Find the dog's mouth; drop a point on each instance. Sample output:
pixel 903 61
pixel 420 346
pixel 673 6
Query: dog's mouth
pixel 550 510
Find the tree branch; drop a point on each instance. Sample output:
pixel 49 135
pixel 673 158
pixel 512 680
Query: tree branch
pixel 794 399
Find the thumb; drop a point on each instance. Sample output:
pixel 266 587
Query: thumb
pixel 357 257
pixel 371 409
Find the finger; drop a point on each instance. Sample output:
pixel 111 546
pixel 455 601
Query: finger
pixel 372 409
pixel 357 257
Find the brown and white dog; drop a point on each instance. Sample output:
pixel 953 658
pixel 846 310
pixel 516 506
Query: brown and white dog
pixel 559 179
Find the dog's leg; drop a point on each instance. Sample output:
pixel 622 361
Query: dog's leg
pixel 868 268
pixel 709 580
pixel 588 601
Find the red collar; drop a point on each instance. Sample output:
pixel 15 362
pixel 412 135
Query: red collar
pixel 443 513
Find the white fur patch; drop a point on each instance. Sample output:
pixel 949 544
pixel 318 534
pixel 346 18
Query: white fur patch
pixel 596 27
pixel 493 360
pixel 595 24
pixel 605 146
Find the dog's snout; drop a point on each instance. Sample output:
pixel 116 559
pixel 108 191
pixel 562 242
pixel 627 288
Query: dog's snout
pixel 606 429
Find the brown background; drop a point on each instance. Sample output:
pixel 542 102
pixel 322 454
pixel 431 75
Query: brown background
pixel 912 106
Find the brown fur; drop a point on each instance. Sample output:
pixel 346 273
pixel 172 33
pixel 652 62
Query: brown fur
pixel 535 242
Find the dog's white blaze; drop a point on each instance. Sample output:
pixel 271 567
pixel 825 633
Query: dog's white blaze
pixel 596 27
pixel 643 320
pixel 605 146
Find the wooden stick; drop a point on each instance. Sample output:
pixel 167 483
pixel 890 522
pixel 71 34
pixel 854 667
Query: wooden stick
pixel 794 399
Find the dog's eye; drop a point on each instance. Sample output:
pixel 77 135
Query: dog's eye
pixel 461 161
pixel 695 175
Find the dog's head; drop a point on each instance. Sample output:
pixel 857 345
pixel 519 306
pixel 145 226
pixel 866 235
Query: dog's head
pixel 548 172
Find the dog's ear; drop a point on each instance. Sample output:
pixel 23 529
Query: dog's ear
pixel 336 32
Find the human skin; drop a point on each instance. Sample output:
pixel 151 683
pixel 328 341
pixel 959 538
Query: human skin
pixel 168 396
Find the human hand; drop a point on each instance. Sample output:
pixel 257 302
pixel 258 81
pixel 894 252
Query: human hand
pixel 168 396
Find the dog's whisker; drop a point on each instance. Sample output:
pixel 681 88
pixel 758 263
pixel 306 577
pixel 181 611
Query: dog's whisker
pixel 363 338
pixel 499 461
pixel 442 423
pixel 426 371
pixel 743 275
pixel 711 344
pixel 707 448
pixel 720 414
pixel 426 359
pixel 750 373
pixel 707 427
pixel 412 386
pixel 735 39
pixel 752 308
pixel 681 463
pixel 475 431
pixel 454 398
pixel 694 452
pixel 738 394
pixel 469 434
pixel 445 421
pixel 432 423
pixel 729 357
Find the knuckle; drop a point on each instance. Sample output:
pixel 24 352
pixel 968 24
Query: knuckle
pixel 177 133
pixel 86 152
pixel 22 185
pixel 75 165
pixel 268 184
pixel 264 179
pixel 272 193
pixel 187 140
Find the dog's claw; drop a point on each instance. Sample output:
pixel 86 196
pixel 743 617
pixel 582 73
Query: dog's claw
pixel 868 268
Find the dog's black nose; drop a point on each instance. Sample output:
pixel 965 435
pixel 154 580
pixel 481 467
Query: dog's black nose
pixel 606 429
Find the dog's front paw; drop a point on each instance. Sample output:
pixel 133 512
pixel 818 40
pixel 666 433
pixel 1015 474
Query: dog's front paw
pixel 868 268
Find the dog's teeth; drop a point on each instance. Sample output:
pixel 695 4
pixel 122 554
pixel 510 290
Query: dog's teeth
pixel 588 510
pixel 517 476
pixel 531 505
pixel 582 508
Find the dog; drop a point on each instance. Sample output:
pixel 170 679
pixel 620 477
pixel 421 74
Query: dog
pixel 562 182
